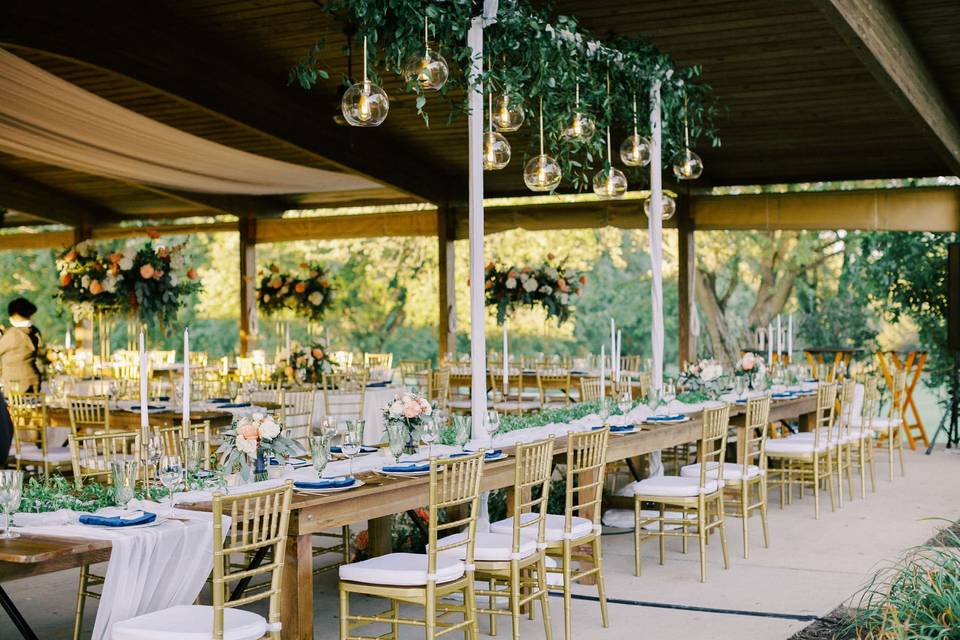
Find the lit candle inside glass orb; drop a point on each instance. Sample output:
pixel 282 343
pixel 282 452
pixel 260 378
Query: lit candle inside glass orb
pixel 496 151
pixel 668 204
pixel 581 128
pixel 365 105
pixel 609 184
pixel 508 115
pixel 635 151
pixel 687 165
pixel 542 173
pixel 430 70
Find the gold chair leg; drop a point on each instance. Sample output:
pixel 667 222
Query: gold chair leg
pixel 601 587
pixel 431 611
pixel 662 538
pixel 763 512
pixel 568 588
pixel 81 601
pixel 903 469
pixel 346 544
pixel 636 538
pixel 745 516
pixel 862 464
pixel 702 536
pixel 816 487
pixel 723 530
pixel 492 604
pixel 469 611
pixel 833 496
pixel 544 598
pixel 344 614
pixel 890 452
pixel 873 471
pixel 514 599
pixel 683 529
pixel 849 449
pixel 395 612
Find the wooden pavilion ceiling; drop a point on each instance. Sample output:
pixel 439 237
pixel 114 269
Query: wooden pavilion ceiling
pixel 799 103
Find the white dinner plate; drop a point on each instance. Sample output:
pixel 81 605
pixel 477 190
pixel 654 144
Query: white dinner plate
pixel 357 483
pixel 403 474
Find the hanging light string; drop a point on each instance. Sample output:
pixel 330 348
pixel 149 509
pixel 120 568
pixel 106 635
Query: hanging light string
pixel 541 125
pixel 609 161
pixel 426 38
pixel 634 114
pixel 365 81
pixel 686 127
pixel 489 112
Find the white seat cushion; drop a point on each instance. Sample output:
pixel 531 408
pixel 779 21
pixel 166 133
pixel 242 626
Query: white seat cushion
pixel 54 454
pixel 673 487
pixel 553 527
pixel 400 569
pixel 459 403
pixel 790 447
pixel 807 436
pixel 731 471
pixel 877 423
pixel 190 622
pixel 517 405
pixel 489 547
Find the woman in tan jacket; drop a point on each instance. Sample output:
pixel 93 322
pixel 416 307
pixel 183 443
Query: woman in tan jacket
pixel 19 349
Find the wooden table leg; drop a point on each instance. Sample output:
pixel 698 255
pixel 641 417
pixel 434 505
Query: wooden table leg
pixel 380 536
pixel 296 605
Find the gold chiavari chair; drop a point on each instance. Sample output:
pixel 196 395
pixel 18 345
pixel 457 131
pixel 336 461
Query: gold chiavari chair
pixel 415 373
pixel 88 414
pixel 198 358
pixel 555 387
pixel 803 460
pixel 438 388
pixel 380 360
pixel 343 359
pixel 742 478
pixel 863 429
pixel 575 535
pixel 172 439
pixel 343 398
pixel 425 579
pixel 28 411
pixel 91 457
pixel 509 396
pixel 514 555
pixel 258 520
pixel 589 389
pixel 695 497
pixel 297 408
pixel 890 427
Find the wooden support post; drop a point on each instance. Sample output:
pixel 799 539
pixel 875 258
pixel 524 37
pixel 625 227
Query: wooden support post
pixel 248 283
pixel 686 273
pixel 446 286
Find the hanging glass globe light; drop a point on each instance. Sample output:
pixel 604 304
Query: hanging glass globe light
pixel 635 150
pixel 365 104
pixel 668 207
pixel 508 116
pixel 496 149
pixel 581 127
pixel 542 173
pixel 687 165
pixel 429 70
pixel 609 183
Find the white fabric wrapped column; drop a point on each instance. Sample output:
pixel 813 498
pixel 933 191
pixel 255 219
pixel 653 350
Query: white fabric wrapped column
pixel 478 362
pixel 655 226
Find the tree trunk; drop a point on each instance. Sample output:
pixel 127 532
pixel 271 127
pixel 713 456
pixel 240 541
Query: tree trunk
pixel 725 340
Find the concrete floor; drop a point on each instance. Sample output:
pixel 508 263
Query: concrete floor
pixel 810 568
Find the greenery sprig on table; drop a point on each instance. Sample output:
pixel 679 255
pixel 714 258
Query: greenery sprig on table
pixel 530 54
pixel 56 492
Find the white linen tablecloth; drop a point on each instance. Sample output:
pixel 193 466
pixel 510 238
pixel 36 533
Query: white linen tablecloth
pixel 150 568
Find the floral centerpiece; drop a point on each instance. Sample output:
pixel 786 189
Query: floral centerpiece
pixel 308 364
pixel 749 364
pixel 408 410
pixel 309 294
pixel 552 286
pixel 701 381
pixel 87 282
pixel 254 438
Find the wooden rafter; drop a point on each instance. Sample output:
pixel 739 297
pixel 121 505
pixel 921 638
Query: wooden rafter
pixel 873 31
pixel 37 199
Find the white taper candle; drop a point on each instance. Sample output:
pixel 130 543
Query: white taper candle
pixel 144 396
pixel 186 377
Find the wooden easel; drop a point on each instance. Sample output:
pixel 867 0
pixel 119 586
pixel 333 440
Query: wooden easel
pixel 912 367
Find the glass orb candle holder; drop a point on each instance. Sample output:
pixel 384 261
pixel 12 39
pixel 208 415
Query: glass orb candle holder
pixel 580 129
pixel 609 184
pixel 429 70
pixel 365 105
pixel 508 114
pixel 669 207
pixel 542 173
pixel 496 151
pixel 687 165
pixel 635 151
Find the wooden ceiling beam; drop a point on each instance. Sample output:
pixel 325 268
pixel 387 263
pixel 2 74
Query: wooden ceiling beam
pixel 145 45
pixel 872 30
pixel 237 205
pixel 25 194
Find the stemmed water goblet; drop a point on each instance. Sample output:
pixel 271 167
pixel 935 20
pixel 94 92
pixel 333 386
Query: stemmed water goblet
pixel 429 433
pixel 350 445
pixel 740 386
pixel 170 473
pixel 124 476
pixel 625 402
pixel 462 426
pixel 193 453
pixel 11 490
pixel 319 452
pixel 604 410
pixel 396 438
pixel 492 424
pixel 153 450
pixel 668 392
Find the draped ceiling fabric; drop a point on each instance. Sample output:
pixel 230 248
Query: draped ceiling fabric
pixel 47 119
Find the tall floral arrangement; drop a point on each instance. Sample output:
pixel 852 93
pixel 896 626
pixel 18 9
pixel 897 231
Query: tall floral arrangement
pixel 704 377
pixel 409 410
pixel 156 288
pixel 308 294
pixel 552 285
pixel 308 364
pixel 88 282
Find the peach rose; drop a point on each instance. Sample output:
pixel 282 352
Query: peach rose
pixel 324 283
pixel 411 409
pixel 317 353
pixel 147 271
pixel 304 265
pixel 583 279
pixel 116 257
pixel 65 279
pixel 274 268
pixel 550 256
pixel 276 283
pixel 95 287
pixel 192 274
pixel 249 430
pixel 562 285
pixel 488 285
pixel 300 288
pixel 71 256
pixel 153 233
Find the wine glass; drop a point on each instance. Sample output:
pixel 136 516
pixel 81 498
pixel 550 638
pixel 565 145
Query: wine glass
pixel 604 410
pixel 492 424
pixel 170 473
pixel 356 427
pixel 350 445
pixel 625 403
pixel 154 450
pixel 429 433
pixel 653 397
pixel 320 452
pixel 740 386
pixel 760 381
pixel 462 426
pixel 193 452
pixel 11 489
pixel 124 475
pixel 328 427
pixel 396 438
pixel 668 392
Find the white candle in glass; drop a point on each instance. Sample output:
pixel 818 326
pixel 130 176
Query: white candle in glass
pixel 779 337
pixel 770 345
pixel 186 377
pixel 619 347
pixel 144 396
pixel 506 362
pixel 613 346
pixel 603 382
pixel 790 336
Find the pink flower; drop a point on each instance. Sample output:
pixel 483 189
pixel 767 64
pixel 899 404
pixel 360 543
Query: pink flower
pixel 248 430
pixel 411 409
pixel 147 271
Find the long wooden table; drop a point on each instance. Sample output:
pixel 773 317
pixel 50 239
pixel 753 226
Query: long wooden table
pixel 376 502
pixel 130 420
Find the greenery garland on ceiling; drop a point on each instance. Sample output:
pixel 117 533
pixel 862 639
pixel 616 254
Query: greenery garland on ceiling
pixel 531 54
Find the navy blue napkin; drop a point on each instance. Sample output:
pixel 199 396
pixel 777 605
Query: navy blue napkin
pixel 235 405
pixel 219 400
pixel 117 521
pixel 150 407
pixel 326 483
pixel 374 385
pixel 669 418
pixel 781 395
pixel 363 449
pixel 495 453
pixel 410 467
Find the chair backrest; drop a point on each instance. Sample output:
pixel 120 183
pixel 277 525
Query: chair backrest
pixel 589 389
pixel 28 412
pixel 438 387
pixel 384 360
pixel 342 399
pixel 586 465
pixel 871 401
pixel 512 391
pixel 454 482
pixel 712 449
pixel 897 393
pixel 297 407
pixel 824 416
pixel 553 379
pixel 258 520
pixel 88 414
pixel 343 358
pixel 91 455
pixel 848 392
pixel 173 438
pixel 756 424
pixel 531 488
pixel 198 358
pixel 410 367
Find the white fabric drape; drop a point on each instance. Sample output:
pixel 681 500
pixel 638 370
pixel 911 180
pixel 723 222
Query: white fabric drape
pixel 47 119
pixel 655 225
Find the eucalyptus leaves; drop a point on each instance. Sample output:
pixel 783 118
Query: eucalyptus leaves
pixel 531 55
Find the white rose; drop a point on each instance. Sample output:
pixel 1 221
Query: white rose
pixel 176 260
pixel 85 282
pixel 249 447
pixel 126 263
pixel 315 298
pixel 530 285
pixel 283 291
pixel 523 277
pixel 174 280
pixel 396 409
pixel 564 298
pixel 711 372
pixel 110 283
pixel 269 429
pixel 551 273
pixel 511 283
pixel 266 297
pixel 546 289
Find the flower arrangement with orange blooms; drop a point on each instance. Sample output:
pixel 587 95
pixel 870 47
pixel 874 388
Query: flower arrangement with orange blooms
pixel 308 294
pixel 141 280
pixel 307 364
pixel 551 285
